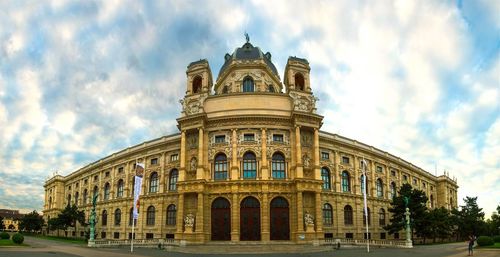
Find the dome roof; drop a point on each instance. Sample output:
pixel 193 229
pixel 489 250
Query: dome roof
pixel 248 52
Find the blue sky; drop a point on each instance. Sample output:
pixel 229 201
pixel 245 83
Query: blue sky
pixel 80 80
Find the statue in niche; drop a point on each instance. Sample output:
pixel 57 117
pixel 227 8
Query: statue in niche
pixel 192 141
pixel 189 220
pixel 308 218
pixel 193 163
pixel 306 160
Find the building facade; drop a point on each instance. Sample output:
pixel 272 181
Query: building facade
pixel 250 164
pixel 11 219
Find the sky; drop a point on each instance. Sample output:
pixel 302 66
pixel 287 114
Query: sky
pixel 80 80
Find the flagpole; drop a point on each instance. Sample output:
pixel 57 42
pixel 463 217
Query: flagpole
pixel 133 203
pixel 366 207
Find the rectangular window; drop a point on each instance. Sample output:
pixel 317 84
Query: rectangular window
pixel 174 157
pixel 220 139
pixel 96 177
pixel 369 236
pixel 82 234
pixel 328 235
pixel 170 236
pixel 278 138
pixel 116 235
pixel 154 161
pixel 73 233
pixel 325 156
pixel 103 234
pixel 424 185
pixel 414 181
pixel 393 173
pixel 405 178
pixel 396 235
pixel 382 235
pixel 149 235
pixel 432 188
pixel 130 236
pixel 380 169
pixel 248 137
pixel 345 160
pixel 106 174
pixel 349 235
pixel 85 181
pixel 120 170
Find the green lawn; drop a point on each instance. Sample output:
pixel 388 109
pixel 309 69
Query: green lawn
pixel 8 242
pixel 495 246
pixel 62 239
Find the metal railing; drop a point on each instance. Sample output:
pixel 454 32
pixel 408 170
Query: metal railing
pixel 347 241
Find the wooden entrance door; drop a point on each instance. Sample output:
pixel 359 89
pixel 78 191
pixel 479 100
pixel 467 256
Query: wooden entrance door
pixel 280 220
pixel 250 219
pixel 221 219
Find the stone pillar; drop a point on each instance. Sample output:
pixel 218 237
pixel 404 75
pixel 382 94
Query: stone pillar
pixel 180 217
pixel 319 215
pixel 265 218
pixel 182 168
pixel 234 158
pixel 338 179
pixel 265 168
pixel 199 170
pixel 300 214
pixel 317 169
pixel 298 148
pixel 199 215
pixel 235 218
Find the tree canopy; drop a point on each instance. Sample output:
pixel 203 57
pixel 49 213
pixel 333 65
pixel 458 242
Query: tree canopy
pixel 416 204
pixel 31 222
pixel 470 218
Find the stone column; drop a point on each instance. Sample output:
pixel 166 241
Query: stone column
pixel 235 232
pixel 319 215
pixel 182 168
pixel 234 158
pixel 265 168
pixel 298 148
pixel 199 170
pixel 300 214
pixel 338 179
pixel 199 216
pixel 265 218
pixel 180 216
pixel 317 170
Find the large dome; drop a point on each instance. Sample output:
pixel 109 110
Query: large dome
pixel 248 52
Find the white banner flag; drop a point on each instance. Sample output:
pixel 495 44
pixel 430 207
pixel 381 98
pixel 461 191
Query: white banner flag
pixel 137 188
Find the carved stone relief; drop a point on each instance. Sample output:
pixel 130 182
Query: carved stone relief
pixel 306 138
pixel 304 103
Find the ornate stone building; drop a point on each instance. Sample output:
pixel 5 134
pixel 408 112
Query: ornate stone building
pixel 250 164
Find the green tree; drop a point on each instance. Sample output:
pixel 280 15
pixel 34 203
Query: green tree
pixel 55 224
pixel 495 221
pixel 439 223
pixel 70 215
pixel 31 222
pixel 417 204
pixel 469 218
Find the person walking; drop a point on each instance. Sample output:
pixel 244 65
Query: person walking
pixel 472 238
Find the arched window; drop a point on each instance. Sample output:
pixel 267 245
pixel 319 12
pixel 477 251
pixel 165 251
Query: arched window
pixel 172 180
pixel 270 88
pixel 95 192
pixel 364 217
pixel 119 186
pixel 348 215
pixel 220 167
pixel 171 214
pixel 432 201
pixel 299 82
pixel 362 183
pixel 69 199
pixel 393 190
pixel 325 176
pixel 85 195
pixel 381 217
pixel 106 191
pixel 327 214
pixel 225 90
pixel 197 85
pixel 249 165
pixel 104 218
pixel 77 195
pixel 380 188
pixel 346 185
pixel 50 202
pixel 248 85
pixel 278 165
pixel 118 217
pixel 150 216
pixel 153 182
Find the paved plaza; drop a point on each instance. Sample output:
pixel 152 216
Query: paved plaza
pixel 45 248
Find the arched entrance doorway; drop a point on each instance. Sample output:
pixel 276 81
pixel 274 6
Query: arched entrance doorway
pixel 280 221
pixel 221 219
pixel 250 219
